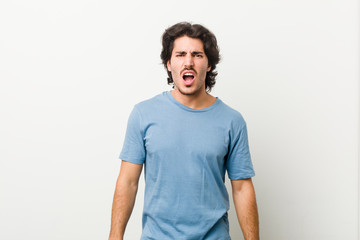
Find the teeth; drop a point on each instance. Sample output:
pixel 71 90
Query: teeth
pixel 188 74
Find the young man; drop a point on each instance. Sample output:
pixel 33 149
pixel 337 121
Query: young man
pixel 187 140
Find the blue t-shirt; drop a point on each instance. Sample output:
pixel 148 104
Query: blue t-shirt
pixel 186 153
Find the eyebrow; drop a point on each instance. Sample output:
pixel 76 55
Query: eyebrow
pixel 194 52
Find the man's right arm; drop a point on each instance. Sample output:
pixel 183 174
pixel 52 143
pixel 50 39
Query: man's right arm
pixel 124 198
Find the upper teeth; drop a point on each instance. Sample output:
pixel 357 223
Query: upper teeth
pixel 187 74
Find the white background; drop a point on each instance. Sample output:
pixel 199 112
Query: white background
pixel 71 72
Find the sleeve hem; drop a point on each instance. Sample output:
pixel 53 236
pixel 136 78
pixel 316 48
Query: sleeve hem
pixel 132 160
pixel 242 177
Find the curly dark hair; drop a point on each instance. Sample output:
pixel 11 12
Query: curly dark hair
pixel 194 31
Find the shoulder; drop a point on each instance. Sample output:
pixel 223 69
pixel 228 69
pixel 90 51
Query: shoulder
pixel 153 106
pixel 151 103
pixel 230 114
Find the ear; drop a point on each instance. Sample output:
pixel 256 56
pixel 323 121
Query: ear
pixel 209 68
pixel 168 65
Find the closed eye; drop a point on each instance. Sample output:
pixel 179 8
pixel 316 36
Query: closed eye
pixel 180 54
pixel 193 54
pixel 197 54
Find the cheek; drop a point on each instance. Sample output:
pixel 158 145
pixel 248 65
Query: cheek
pixel 173 66
pixel 174 74
pixel 205 68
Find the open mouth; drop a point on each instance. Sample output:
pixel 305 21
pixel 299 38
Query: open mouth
pixel 188 78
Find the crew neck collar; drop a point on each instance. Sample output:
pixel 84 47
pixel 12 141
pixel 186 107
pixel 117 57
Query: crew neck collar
pixel 173 100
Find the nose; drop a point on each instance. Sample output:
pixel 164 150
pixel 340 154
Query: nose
pixel 189 61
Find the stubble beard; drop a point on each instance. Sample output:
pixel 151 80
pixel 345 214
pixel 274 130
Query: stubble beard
pixel 194 92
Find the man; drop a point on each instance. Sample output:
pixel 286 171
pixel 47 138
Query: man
pixel 187 140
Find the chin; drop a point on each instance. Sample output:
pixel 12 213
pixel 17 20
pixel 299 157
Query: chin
pixel 189 90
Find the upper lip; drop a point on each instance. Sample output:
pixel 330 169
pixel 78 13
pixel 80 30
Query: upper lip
pixel 188 71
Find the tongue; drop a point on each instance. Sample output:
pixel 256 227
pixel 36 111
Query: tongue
pixel 188 80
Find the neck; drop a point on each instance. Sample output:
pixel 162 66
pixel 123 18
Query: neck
pixel 195 101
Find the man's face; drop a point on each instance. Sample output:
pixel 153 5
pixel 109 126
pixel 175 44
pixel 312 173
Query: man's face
pixel 188 65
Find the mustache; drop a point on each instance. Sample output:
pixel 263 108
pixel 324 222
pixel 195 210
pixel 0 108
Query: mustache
pixel 189 69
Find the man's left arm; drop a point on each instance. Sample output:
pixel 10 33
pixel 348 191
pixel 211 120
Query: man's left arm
pixel 246 208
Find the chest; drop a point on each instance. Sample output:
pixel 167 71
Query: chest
pixel 190 135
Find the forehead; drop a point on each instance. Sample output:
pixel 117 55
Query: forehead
pixel 186 43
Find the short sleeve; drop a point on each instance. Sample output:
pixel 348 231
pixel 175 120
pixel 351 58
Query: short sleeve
pixel 134 149
pixel 239 165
